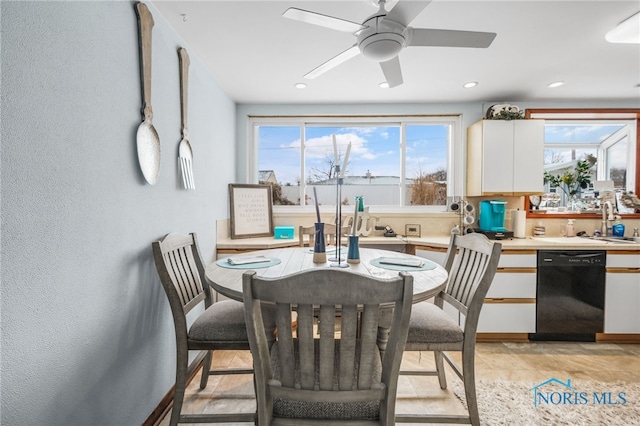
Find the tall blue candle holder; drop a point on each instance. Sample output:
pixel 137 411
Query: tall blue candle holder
pixel 353 255
pixel 319 247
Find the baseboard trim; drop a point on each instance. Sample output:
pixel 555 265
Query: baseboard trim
pixel 524 337
pixel 617 338
pixel 166 403
pixel 502 337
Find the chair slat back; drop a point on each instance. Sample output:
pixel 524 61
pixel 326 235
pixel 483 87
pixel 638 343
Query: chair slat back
pixel 180 268
pixel 471 262
pixel 325 293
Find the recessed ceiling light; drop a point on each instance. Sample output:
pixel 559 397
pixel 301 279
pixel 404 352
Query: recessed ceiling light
pixel 627 31
pixel 555 84
pixel 300 85
pixel 384 85
pixel 470 84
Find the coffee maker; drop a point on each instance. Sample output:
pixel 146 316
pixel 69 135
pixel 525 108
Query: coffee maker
pixel 491 220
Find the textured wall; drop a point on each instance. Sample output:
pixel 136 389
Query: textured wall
pixel 87 335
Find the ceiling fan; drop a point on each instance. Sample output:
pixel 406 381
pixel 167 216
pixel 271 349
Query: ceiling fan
pixel 384 34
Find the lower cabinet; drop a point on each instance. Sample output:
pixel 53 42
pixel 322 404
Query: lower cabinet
pixel 510 304
pixel 434 254
pixel 507 318
pixel 622 294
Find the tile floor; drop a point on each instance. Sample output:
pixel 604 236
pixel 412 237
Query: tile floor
pixel 531 362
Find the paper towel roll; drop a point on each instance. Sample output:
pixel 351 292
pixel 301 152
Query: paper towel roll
pixel 519 221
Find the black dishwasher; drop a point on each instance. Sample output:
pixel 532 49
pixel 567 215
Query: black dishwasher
pixel 570 295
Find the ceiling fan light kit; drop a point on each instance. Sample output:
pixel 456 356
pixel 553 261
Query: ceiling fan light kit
pixel 381 47
pixel 383 35
pixel 627 31
pixel 382 40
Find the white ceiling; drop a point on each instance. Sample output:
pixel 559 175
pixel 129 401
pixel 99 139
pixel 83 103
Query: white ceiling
pixel 257 56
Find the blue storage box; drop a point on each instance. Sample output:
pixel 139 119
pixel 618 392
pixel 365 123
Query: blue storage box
pixel 283 232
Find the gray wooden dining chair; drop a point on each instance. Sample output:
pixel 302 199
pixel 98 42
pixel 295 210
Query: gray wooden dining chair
pixel 329 234
pixel 315 378
pixel 471 262
pixel 220 327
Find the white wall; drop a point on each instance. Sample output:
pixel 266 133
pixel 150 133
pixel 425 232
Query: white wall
pixel 87 335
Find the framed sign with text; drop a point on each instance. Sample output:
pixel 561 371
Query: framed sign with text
pixel 251 210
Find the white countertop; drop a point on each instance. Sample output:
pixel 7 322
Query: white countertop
pixel 528 243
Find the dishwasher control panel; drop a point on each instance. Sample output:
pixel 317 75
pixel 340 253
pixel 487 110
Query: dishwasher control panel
pixel 581 258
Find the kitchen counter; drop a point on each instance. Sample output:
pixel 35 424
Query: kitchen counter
pixel 539 243
pixel 528 243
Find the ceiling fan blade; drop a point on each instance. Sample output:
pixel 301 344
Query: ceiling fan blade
pixel 334 62
pixel 405 11
pixel 448 38
pixel 392 72
pixel 322 20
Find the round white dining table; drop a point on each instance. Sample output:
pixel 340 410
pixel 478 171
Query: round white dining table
pixel 227 280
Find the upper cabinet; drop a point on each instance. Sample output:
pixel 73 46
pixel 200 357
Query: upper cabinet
pixel 505 157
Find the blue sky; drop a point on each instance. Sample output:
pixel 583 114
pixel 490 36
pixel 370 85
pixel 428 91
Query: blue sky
pixel 579 133
pixel 373 148
pixel 592 134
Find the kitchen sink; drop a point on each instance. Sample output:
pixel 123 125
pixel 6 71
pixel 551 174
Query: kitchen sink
pixel 617 239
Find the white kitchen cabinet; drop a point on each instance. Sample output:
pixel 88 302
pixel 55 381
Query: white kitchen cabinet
pixel 507 318
pixel 509 305
pixel 622 294
pixel 505 157
pixel 437 255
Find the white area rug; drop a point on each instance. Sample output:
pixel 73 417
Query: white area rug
pixel 584 403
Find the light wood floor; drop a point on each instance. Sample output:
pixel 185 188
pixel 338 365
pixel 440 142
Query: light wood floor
pixel 525 362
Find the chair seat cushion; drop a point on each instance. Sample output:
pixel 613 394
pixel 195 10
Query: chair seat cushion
pixel 430 324
pixel 368 410
pixel 224 321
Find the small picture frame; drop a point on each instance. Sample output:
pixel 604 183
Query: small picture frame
pixel 251 210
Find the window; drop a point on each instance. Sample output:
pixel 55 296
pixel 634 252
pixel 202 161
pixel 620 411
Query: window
pixel 392 161
pixel 603 145
pixel 606 138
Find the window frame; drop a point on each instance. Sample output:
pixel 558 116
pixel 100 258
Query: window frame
pixel 455 165
pixel 591 114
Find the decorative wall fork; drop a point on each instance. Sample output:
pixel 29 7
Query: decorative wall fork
pixel 185 154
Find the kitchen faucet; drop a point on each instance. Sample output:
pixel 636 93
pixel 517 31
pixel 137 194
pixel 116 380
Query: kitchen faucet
pixel 606 218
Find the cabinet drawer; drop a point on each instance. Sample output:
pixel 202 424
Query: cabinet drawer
pixel 517 260
pixel 507 318
pixel 622 303
pixel 513 285
pixel 623 260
